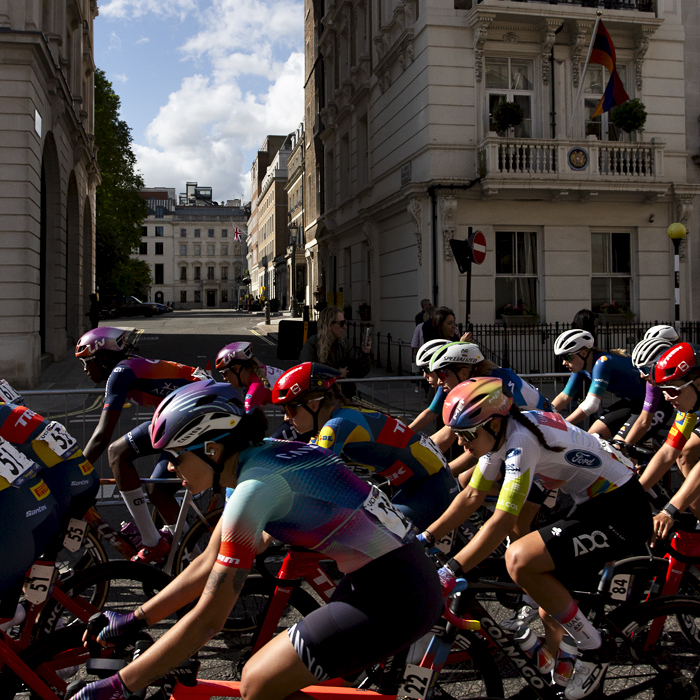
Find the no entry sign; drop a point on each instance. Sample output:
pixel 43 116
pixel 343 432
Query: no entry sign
pixel 477 243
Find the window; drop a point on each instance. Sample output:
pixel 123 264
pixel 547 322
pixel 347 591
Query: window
pixel 196 233
pixel 183 233
pixel 197 272
pixel 159 249
pixel 237 250
pixel 210 249
pixel 183 274
pixel 144 230
pixel 183 249
pixel 237 272
pixel 159 230
pixel 143 248
pixel 594 84
pixel 224 249
pixel 224 296
pixel 210 272
pixel 224 233
pixel 210 233
pixel 159 212
pixel 197 249
pixel 224 272
pixel 516 270
pixel 183 296
pixel 510 80
pixel 611 268
pixel 158 274
pixel 197 297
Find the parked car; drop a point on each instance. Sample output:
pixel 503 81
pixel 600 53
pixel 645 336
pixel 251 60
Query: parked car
pixel 131 306
pixel 162 308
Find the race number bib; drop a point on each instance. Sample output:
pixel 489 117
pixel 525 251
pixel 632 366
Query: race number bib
pixel 386 512
pixel 617 454
pixel 39 582
pixel 201 374
pixel 9 395
pixel 75 532
pixel 59 440
pixel 426 442
pixel 416 682
pixel 15 466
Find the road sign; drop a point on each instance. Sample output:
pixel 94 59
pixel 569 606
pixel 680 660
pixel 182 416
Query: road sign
pixel 477 243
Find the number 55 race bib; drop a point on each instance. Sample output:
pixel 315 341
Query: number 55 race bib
pixel 59 440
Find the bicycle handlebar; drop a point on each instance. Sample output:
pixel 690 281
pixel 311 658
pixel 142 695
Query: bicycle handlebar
pixel 641 454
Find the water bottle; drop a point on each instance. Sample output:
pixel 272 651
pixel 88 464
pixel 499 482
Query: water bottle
pixel 566 660
pixel 535 648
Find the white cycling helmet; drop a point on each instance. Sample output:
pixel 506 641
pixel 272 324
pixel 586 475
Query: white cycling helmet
pixel 456 354
pixel 572 341
pixel 649 350
pixel 666 332
pixel 427 350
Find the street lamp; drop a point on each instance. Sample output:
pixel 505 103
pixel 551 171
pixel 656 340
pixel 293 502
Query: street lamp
pixel 293 233
pixel 676 232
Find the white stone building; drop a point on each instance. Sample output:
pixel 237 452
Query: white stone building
pixel 404 128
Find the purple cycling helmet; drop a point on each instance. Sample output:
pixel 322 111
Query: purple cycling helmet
pixel 99 339
pixel 195 413
pixel 233 352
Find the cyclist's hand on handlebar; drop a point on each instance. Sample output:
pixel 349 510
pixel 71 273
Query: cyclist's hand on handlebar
pixel 663 524
pixel 110 688
pixel 424 540
pixel 119 625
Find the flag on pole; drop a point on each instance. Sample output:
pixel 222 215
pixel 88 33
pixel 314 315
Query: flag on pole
pixel 603 53
pixel 236 234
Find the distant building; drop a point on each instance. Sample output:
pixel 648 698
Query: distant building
pixel 295 216
pixel 195 258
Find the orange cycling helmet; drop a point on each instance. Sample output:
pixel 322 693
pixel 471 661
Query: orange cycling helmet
pixel 475 401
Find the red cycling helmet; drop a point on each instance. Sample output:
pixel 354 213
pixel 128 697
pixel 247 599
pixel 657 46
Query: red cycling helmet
pixel 308 381
pixel 676 363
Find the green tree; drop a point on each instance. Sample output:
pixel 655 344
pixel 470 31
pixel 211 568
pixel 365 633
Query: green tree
pixel 120 209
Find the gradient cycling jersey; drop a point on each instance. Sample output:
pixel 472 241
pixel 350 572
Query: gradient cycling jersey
pixel 259 393
pixel 144 382
pixel 587 466
pixel 525 395
pixel 613 373
pixel 383 444
pixel 304 495
pixel 682 429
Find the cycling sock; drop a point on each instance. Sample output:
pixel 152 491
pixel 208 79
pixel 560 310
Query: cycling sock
pixel 579 627
pixel 136 503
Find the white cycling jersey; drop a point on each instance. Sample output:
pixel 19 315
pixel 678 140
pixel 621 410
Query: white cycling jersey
pixel 586 467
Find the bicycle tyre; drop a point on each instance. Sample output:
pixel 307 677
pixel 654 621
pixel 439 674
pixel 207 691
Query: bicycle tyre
pixel 653 667
pixel 91 553
pixel 119 585
pixel 197 537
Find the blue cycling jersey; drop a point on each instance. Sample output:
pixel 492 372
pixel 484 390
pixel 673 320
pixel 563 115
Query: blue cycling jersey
pixel 613 373
pixel 438 401
pixel 525 395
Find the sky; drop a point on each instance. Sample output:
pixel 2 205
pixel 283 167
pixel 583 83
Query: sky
pixel 202 82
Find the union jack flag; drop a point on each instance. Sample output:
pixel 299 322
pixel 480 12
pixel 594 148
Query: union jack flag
pixel 236 233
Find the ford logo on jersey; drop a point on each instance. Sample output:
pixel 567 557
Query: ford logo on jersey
pixel 581 458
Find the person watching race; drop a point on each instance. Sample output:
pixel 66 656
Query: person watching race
pixel 607 371
pixel 423 356
pixel 106 355
pixel 677 374
pixel 611 517
pixel 410 461
pixel 303 496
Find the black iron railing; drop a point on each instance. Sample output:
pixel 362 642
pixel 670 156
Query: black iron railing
pixel 638 5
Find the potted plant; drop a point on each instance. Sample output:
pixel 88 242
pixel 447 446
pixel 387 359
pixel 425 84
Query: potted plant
pixel 519 315
pixel 364 310
pixel 507 116
pixel 629 116
pixel 612 312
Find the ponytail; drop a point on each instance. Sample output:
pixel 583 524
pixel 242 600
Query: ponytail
pixel 517 415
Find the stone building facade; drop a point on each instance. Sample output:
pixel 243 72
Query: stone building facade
pixel 48 176
pixel 295 256
pixel 403 126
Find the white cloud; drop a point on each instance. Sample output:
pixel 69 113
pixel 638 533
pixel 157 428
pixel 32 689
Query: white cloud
pixel 121 77
pixel 115 43
pixel 121 9
pixel 143 40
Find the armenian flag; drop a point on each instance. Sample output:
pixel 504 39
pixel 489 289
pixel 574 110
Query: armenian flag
pixel 603 53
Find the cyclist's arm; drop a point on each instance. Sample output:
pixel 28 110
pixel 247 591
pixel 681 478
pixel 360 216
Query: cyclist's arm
pixel 102 436
pixel 465 503
pixel 689 491
pixel 425 418
pixel 444 438
pixel 491 534
pixel 460 464
pixel 561 401
pixel 660 463
pixel 640 428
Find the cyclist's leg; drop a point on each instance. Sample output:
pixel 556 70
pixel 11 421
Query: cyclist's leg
pixel 614 418
pixel 162 496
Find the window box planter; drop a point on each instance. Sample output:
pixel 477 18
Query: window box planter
pixel 520 319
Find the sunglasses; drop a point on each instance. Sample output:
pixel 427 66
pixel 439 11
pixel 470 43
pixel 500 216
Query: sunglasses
pixel 291 409
pixel 340 323
pixel 569 356
pixel 468 434
pixel 85 362
pixel 673 391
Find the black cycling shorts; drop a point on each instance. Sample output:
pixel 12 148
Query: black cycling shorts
pixel 374 613
pixel 661 421
pixel 605 528
pixel 618 413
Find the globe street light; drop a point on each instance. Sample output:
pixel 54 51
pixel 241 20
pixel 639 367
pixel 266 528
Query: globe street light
pixel 676 232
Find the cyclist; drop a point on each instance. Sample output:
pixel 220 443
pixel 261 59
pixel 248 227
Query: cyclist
pixel 677 374
pixel 106 355
pixel 302 495
pixel 608 371
pixel 611 516
pixel 409 461
pixel 425 352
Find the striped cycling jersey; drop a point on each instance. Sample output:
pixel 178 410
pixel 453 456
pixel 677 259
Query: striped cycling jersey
pixel 682 429
pixel 304 495
pixel 587 466
pixel 144 382
pixel 381 443
pixel 259 393
pixel 525 395
pixel 613 373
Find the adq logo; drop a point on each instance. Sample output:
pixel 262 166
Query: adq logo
pixel 581 458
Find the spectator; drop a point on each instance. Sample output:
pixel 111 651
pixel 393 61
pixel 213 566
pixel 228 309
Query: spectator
pixel 93 312
pixel 424 314
pixel 442 325
pixel 586 320
pixel 330 347
pixel 417 342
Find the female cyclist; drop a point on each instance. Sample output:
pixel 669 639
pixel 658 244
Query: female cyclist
pixel 410 461
pixel 423 356
pixel 608 371
pixel 301 495
pixel 612 515
pixel 677 374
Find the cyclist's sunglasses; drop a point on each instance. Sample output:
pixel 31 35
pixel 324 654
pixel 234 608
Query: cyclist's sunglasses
pixel 569 356
pixel 468 434
pixel 674 391
pixel 291 409
pixel 86 361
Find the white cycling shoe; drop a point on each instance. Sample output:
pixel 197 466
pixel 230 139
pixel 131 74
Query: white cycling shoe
pixel 523 616
pixel 589 671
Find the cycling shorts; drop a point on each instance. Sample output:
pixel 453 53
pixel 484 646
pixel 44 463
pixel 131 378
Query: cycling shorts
pixel 375 612
pixel 605 528
pixel 618 413
pixel 74 484
pixel 661 422
pixel 140 445
pixel 426 501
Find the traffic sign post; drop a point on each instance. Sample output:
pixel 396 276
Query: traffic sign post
pixel 473 250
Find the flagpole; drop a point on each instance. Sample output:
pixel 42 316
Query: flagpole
pixel 583 75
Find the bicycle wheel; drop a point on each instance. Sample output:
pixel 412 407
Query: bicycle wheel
pixel 91 553
pixel 653 658
pixel 195 541
pixel 120 586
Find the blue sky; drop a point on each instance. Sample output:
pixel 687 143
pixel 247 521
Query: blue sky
pixel 202 82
